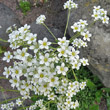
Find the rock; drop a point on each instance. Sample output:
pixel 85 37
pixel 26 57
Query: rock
pixel 7 18
pixel 43 32
pixel 98 50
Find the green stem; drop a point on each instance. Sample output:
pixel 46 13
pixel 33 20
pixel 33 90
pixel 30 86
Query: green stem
pixel 74 75
pixel 9 100
pixel 67 22
pixel 3 40
pixel 3 94
pixel 3 78
pixel 10 90
pixel 50 31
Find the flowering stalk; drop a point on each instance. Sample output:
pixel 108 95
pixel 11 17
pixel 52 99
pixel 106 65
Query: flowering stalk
pixel 67 21
pixel 74 75
pixel 50 31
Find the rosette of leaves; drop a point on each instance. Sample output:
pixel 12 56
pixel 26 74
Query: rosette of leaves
pixel 25 6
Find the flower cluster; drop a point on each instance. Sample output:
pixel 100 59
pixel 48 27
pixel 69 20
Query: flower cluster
pixel 70 4
pixel 44 70
pixel 100 14
pixel 81 28
pixel 9 106
pixel 40 19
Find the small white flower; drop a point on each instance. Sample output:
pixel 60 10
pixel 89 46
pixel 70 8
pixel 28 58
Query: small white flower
pixel 70 4
pixel 14 82
pixel 76 27
pixel 86 35
pixel 53 81
pixel 40 19
pixel 34 47
pixel 31 38
pixel 82 85
pixel 51 96
pixel 44 44
pixel 19 102
pixel 62 51
pixel 7 57
pixel 63 41
pixel 62 69
pixel 74 105
pixel 3 106
pixel 76 65
pixel 105 19
pixel 7 72
pixel 84 61
pixel 45 59
pixel 24 29
pixel 68 102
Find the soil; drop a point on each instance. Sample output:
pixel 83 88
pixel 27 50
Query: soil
pixel 56 17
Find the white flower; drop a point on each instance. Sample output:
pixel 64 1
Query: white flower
pixel 70 4
pixel 45 59
pixel 51 96
pixel 40 19
pixel 62 69
pixel 7 72
pixel 76 65
pixel 101 14
pixel 74 104
pixel 19 102
pixel 21 54
pixel 62 51
pixel 68 102
pixel 69 94
pixel 63 41
pixel 16 72
pixel 105 19
pixel 96 15
pixel 74 54
pixel 44 44
pixel 24 29
pixel 7 57
pixel 3 106
pixel 83 23
pixel 34 47
pixel 9 29
pixel 76 27
pixel 86 35
pixel 14 82
pixel 53 81
pixel 82 85
pixel 31 38
pixel 84 61
pixel 41 76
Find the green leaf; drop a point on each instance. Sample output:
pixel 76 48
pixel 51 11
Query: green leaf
pixel 108 101
pixel 106 89
pixel 94 107
pixel 90 84
pixel 98 95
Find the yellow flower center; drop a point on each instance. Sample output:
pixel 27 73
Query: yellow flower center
pixel 44 43
pixel 41 75
pixel 52 80
pixel 61 69
pixel 73 53
pixel 62 52
pixel 45 59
